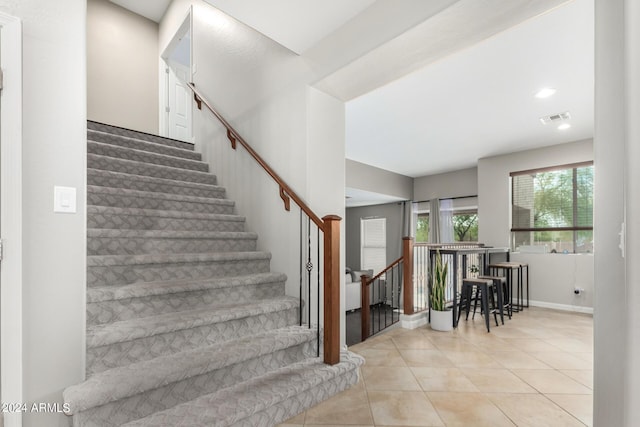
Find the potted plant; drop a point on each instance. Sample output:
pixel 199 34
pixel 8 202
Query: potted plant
pixel 441 318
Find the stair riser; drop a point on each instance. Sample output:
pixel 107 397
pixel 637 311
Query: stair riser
pixel 137 144
pixel 139 135
pixel 148 169
pixel 145 157
pixel 300 402
pixel 143 404
pixel 132 308
pixel 127 274
pixel 139 222
pixel 103 179
pixel 150 245
pixel 124 353
pixel 137 202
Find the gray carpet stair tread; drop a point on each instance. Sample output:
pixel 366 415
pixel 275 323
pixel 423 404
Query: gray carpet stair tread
pixel 114 210
pixel 146 289
pixel 144 136
pixel 94 189
pixel 140 144
pixel 111 260
pixel 127 330
pixel 152 180
pixel 121 382
pixel 233 404
pixel 97 161
pixel 170 234
pixel 119 152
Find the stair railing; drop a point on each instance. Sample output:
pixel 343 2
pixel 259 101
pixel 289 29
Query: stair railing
pixel 380 299
pixel 328 225
pixel 405 280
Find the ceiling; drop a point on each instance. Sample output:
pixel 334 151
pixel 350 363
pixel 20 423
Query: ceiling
pixel 295 24
pixel 465 94
pixel 151 9
pixel 480 101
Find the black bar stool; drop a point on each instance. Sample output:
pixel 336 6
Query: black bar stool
pixel 523 286
pixel 507 269
pixel 484 291
pixel 500 286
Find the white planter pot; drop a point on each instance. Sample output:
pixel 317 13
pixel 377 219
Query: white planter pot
pixel 441 320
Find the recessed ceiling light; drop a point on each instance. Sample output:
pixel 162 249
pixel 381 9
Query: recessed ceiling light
pixel 564 126
pixel 545 92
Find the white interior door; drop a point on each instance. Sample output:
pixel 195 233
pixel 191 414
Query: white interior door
pixel 179 108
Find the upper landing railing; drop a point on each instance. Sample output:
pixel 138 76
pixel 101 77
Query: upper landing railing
pixel 328 225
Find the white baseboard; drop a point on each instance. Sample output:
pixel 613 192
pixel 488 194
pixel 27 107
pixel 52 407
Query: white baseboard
pixel 413 321
pixel 564 307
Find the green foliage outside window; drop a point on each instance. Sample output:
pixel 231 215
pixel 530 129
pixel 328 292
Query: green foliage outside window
pixel 554 208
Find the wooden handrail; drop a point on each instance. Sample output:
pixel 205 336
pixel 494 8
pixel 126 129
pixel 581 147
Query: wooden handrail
pixel 286 193
pixel 389 267
pixel 329 224
pixel 407 274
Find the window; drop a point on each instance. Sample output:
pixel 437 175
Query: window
pixel 553 207
pixel 465 226
pixel 458 220
pixel 422 228
pixel 373 239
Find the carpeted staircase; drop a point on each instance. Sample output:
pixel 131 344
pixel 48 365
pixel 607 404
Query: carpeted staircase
pixel 186 324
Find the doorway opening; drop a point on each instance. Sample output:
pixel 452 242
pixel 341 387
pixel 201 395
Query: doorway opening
pixel 176 116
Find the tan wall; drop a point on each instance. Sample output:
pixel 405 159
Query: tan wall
pixel 122 67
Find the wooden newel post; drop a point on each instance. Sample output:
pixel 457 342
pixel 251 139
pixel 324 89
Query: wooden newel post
pixel 331 289
pixel 364 304
pixel 407 274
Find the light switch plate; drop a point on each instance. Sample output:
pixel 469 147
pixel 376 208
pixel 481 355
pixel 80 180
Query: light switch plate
pixel 64 199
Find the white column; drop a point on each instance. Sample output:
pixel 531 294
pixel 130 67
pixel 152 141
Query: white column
pixel 632 206
pixel 617 297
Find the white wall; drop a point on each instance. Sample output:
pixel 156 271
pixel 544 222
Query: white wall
pixel 54 245
pixel 460 183
pixel 552 278
pixel 326 124
pixel 263 90
pixel 122 67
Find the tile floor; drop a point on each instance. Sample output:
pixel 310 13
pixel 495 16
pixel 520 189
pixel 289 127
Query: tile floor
pixel 536 370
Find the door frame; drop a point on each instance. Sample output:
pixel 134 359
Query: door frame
pixel 185 28
pixel 11 216
pixel 174 70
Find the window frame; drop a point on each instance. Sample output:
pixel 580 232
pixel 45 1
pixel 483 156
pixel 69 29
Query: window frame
pixel 365 264
pixel 575 228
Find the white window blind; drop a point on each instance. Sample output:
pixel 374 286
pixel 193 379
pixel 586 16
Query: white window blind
pixel 553 207
pixel 373 244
